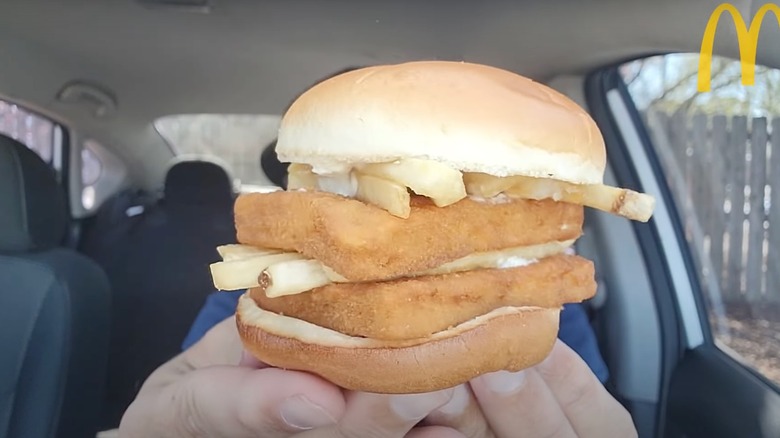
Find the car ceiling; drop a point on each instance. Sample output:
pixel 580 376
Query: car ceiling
pixel 254 56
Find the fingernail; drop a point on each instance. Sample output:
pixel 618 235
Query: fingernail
pixel 300 413
pixel 504 382
pixel 418 406
pixel 458 403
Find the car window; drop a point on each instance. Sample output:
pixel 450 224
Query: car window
pixel 235 141
pixel 38 133
pixel 91 170
pixel 720 153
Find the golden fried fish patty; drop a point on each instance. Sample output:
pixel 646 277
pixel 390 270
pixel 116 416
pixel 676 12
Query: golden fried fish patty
pixel 365 243
pixel 417 307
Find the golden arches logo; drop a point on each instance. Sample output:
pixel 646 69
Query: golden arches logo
pixel 747 37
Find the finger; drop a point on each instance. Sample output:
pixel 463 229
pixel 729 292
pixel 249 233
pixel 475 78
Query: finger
pixel 513 402
pixel 434 432
pixel 221 345
pixel 382 416
pixel 235 402
pixel 249 361
pixel 591 410
pixel 463 414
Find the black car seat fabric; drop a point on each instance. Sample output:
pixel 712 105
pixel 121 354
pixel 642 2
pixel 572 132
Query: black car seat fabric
pixel 157 255
pixel 54 305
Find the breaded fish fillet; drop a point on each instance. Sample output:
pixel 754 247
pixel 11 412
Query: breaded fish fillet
pixel 417 307
pixel 365 243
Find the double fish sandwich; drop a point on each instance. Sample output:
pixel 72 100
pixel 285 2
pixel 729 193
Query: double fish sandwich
pixel 422 239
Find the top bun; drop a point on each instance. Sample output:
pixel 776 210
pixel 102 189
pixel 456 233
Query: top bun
pixel 472 117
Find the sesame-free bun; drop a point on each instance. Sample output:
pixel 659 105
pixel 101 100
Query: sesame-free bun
pixel 508 338
pixel 472 117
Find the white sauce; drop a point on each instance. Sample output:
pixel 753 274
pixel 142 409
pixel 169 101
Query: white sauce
pixel 513 262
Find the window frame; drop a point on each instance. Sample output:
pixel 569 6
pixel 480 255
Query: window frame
pixel 697 380
pixel 699 293
pixel 597 84
pixel 61 160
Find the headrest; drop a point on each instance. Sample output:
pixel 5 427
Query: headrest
pixel 198 182
pixel 34 212
pixel 275 170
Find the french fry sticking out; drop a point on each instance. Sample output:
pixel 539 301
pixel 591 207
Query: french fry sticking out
pixel 438 181
pixel 245 273
pixel 293 277
pixel 623 202
pixel 385 194
pixel 237 252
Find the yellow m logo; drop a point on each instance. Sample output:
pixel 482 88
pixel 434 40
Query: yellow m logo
pixel 746 37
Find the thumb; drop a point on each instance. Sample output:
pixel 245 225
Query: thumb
pixel 225 401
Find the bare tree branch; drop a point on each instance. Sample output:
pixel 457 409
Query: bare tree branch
pixel 687 103
pixel 684 81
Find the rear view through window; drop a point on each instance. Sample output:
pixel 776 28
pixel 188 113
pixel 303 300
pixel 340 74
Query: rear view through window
pixel 235 141
pixel 720 153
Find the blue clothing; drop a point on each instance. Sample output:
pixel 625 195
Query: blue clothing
pixel 575 330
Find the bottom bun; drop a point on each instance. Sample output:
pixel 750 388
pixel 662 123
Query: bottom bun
pixel 508 339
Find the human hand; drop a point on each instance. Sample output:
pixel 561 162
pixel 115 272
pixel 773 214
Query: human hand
pixel 560 397
pixel 213 390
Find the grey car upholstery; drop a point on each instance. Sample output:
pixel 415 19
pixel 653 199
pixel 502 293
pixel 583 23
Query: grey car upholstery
pixel 54 308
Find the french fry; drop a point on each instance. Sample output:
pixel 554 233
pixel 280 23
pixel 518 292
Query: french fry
pixel 245 273
pixel 299 167
pixel 300 176
pixel 385 194
pixel 623 202
pixel 296 276
pixel 438 181
pixel 237 252
pixel 386 186
pixel 537 188
pixel 343 184
pixel 484 185
pixel 333 275
pixel 293 277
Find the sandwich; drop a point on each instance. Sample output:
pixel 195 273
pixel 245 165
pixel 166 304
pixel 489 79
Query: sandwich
pixel 424 237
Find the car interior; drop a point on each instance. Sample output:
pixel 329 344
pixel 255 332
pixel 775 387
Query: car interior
pixel 102 275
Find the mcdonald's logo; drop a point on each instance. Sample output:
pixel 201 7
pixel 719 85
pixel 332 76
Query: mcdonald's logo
pixel 747 37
